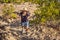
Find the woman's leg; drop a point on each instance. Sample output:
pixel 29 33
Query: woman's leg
pixel 27 25
pixel 23 27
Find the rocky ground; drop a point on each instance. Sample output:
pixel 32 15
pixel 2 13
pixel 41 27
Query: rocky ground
pixel 36 32
pixel 13 30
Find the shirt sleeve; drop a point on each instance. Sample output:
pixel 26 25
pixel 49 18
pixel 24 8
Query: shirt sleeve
pixel 20 14
pixel 28 14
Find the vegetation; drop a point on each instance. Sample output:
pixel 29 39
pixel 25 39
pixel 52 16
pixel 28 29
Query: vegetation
pixel 9 11
pixel 47 10
pixel 11 1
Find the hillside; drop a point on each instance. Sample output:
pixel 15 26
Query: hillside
pixel 13 31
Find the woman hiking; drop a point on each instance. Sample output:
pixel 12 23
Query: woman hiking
pixel 24 20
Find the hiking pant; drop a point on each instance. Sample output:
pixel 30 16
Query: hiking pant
pixel 25 24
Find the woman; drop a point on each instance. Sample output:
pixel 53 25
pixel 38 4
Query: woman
pixel 24 19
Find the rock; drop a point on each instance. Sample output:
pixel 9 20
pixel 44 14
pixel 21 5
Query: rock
pixel 47 38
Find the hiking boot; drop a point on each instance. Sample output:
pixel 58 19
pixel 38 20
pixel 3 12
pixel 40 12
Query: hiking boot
pixel 27 30
pixel 23 31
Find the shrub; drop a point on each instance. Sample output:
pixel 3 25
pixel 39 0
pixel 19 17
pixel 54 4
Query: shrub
pixel 8 11
pixel 48 10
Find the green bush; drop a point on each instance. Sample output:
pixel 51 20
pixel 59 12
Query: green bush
pixel 11 1
pixel 13 15
pixel 8 11
pixel 48 10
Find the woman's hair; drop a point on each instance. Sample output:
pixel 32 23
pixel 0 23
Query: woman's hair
pixel 24 11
